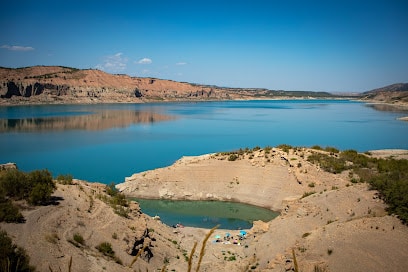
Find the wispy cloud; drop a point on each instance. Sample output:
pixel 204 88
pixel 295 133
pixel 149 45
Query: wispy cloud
pixel 17 47
pixel 181 63
pixel 145 61
pixel 113 63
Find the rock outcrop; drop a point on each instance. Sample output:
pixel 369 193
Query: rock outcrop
pixel 56 84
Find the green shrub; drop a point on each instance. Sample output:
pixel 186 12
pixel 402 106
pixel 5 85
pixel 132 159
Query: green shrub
pixel 331 149
pixel 106 249
pixel 285 147
pixel 111 189
pixel 65 179
pixel 256 148
pixel 392 183
pixel 8 212
pixel 121 211
pixel 119 200
pixel 12 257
pixel 232 157
pixel 267 149
pixel 79 239
pixel 35 187
pixel 14 184
pixel 316 147
pixel 306 194
pixel 328 163
pixel 40 194
pixel 232 258
pixel 42 186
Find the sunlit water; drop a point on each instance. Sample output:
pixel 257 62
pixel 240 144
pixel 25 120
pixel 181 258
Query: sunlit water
pixel 206 214
pixel 107 143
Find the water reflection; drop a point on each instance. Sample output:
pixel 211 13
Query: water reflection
pixel 389 107
pixel 99 120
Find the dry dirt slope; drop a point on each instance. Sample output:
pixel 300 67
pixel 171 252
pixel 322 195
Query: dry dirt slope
pixel 341 227
pixel 48 233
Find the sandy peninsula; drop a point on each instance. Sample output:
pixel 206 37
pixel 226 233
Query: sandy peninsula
pixel 336 226
pixel 340 227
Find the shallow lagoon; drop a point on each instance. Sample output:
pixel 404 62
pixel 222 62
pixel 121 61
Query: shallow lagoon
pixel 205 214
pixel 108 142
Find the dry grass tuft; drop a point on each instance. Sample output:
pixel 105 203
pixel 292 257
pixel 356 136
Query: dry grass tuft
pixel 295 261
pixel 202 252
pixel 190 259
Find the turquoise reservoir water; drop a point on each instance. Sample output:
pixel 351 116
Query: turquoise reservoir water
pixel 107 143
pixel 206 214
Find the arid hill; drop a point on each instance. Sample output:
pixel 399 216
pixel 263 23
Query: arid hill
pixel 56 84
pixel 395 93
pixel 331 221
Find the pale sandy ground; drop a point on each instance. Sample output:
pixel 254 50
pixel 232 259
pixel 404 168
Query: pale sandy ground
pixel 342 218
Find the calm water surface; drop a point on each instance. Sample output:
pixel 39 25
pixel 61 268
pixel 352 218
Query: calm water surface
pixel 107 143
pixel 206 214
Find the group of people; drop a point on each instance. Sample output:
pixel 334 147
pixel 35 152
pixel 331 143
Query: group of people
pixel 229 239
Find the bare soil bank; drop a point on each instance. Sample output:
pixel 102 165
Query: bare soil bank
pixel 341 227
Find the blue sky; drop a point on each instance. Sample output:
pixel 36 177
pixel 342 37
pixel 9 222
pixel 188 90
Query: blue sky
pixel 335 46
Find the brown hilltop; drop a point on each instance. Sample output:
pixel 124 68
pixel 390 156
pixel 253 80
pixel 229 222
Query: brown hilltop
pixel 56 84
pixel 395 93
pixel 59 85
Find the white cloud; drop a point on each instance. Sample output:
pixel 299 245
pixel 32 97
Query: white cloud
pixel 145 61
pixel 181 63
pixel 113 63
pixel 17 47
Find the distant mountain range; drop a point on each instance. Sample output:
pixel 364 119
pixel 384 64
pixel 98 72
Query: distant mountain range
pixel 58 84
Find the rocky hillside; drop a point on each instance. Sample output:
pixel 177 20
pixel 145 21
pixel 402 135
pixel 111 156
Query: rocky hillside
pixel 81 230
pixel 56 84
pixel 395 93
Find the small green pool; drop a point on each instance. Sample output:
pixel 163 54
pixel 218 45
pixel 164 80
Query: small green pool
pixel 205 214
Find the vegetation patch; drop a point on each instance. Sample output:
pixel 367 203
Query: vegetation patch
pixel 35 187
pixel 79 239
pixel 285 148
pixel 64 179
pixel 116 200
pixel 12 257
pixel 388 176
pixel 306 194
pixel 106 249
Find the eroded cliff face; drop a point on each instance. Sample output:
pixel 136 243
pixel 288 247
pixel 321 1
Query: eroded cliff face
pixel 50 84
